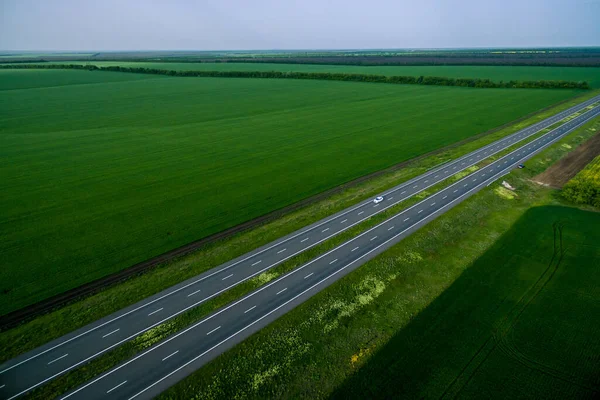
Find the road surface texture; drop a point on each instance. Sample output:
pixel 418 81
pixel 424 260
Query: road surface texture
pixel 167 362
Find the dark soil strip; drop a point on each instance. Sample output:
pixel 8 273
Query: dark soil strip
pixel 27 313
pixel 567 167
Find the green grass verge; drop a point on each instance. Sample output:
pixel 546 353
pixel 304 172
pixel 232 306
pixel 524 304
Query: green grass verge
pixel 66 319
pixel 98 177
pixel 494 73
pixel 311 351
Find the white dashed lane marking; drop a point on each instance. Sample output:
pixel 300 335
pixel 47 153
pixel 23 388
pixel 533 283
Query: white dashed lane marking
pixel 119 385
pixel 170 355
pixel 110 333
pixel 218 327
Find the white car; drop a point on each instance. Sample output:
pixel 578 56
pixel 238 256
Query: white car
pixel 378 199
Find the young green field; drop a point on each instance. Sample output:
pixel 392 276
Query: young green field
pixel 590 74
pixel 101 174
pixel 522 322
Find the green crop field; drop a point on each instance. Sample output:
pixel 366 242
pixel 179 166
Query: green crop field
pixel 522 322
pixel 590 74
pixel 111 169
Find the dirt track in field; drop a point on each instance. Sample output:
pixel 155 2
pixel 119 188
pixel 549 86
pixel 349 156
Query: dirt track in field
pixel 567 167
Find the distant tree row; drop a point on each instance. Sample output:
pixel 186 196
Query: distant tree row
pixel 403 80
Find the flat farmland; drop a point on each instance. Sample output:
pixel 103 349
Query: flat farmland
pixel 506 73
pixel 101 174
pixel 521 322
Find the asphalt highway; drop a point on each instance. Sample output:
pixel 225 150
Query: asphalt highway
pixel 171 360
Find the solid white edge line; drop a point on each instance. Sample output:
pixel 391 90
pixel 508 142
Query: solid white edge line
pixel 119 385
pixel 532 127
pixel 170 355
pixel 293 272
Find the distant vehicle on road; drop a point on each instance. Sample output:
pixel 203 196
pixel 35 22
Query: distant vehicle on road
pixel 378 199
pixel 521 166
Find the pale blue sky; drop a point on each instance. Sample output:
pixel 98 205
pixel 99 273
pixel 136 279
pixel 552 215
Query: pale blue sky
pixel 295 24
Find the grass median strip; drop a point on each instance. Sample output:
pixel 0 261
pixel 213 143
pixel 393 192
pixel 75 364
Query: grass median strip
pixel 66 319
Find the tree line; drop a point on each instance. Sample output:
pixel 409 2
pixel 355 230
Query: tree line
pixel 403 80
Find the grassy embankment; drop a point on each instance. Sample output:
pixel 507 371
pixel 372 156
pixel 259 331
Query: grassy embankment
pixel 584 188
pixel 79 376
pixel 405 305
pixel 494 73
pixel 77 159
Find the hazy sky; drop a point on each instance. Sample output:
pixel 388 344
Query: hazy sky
pixel 294 24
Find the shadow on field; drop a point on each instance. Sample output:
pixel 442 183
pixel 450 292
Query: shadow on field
pixel 515 324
